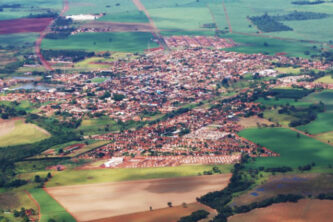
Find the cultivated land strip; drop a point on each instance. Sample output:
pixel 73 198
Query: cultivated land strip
pixel 156 31
pixel 36 203
pixel 41 37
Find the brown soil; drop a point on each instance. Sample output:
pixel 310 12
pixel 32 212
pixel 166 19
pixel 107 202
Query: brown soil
pixel 170 214
pixel 96 201
pixel 306 210
pixel 24 25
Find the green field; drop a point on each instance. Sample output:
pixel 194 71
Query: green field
pixel 18 40
pixel 72 177
pixel 293 151
pixel 50 209
pixel 128 16
pixel 255 44
pixel 325 79
pixel 281 102
pixel 29 7
pixel 322 124
pixel 326 96
pixel 23 133
pixel 100 6
pixel 104 41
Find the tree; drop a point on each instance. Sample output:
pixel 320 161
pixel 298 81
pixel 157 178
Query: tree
pixel 37 179
pixel 169 204
pixel 49 175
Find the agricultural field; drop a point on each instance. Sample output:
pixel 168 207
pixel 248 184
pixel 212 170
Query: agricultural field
pixel 18 40
pixel 301 183
pixel 128 16
pixel 321 210
pixel 295 150
pixel 325 79
pixel 109 7
pixel 322 124
pixel 15 132
pixel 165 214
pixel 26 8
pixel 104 41
pixel 113 199
pixel 79 177
pixel 50 208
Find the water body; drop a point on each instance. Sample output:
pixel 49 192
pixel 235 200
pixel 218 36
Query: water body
pixel 39 86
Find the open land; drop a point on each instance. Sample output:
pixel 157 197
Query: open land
pixel 87 202
pixel 293 151
pixel 21 133
pixel 304 211
pixel 24 25
pixel 169 214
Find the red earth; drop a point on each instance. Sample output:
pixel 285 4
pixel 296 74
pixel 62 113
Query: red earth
pixel 24 25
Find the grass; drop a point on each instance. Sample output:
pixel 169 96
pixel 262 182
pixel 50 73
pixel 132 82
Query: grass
pixel 182 18
pixel 280 102
pixel 72 177
pixel 50 209
pixel 255 44
pixel 322 124
pixel 288 70
pixel 128 16
pixel 293 151
pixel 325 79
pixel 100 6
pixel 18 40
pixel 327 137
pixel 23 133
pixel 104 41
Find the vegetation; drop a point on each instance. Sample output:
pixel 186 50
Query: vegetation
pixel 296 15
pixel 195 216
pixel 267 23
pixel 50 209
pixel 70 177
pixel 72 55
pixel 294 149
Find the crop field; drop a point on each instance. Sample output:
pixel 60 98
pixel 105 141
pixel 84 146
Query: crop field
pixel 19 39
pixel 24 25
pixel 274 116
pixel 50 209
pixel 294 151
pixel 281 101
pixel 100 6
pixel 104 41
pixel 253 121
pixel 112 199
pixel 322 124
pixel 128 16
pixel 75 177
pixel 326 96
pixel 255 44
pixel 321 210
pixel 17 132
pixel 163 215
pixel 28 7
pixel 325 79
pixel 303 183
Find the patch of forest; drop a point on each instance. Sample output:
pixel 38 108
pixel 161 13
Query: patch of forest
pixel 268 23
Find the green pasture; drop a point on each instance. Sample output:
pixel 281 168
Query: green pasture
pixel 322 124
pixel 274 116
pixel 325 96
pixel 50 209
pixel 181 18
pixel 256 44
pixel 99 6
pixel 104 41
pixel 29 7
pixel 18 40
pixel 281 102
pixel 294 151
pixel 23 133
pixel 72 177
pixel 325 79
pixel 128 16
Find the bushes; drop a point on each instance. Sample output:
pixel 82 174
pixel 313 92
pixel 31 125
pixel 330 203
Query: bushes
pixel 267 23
pixel 195 216
pixel 73 55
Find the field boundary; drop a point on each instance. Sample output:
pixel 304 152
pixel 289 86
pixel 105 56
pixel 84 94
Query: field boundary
pixel 36 203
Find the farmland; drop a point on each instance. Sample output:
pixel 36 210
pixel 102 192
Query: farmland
pixel 24 25
pixel 294 151
pixel 122 42
pixel 165 214
pixel 50 209
pixel 321 210
pixel 76 177
pixel 112 199
pixel 17 132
